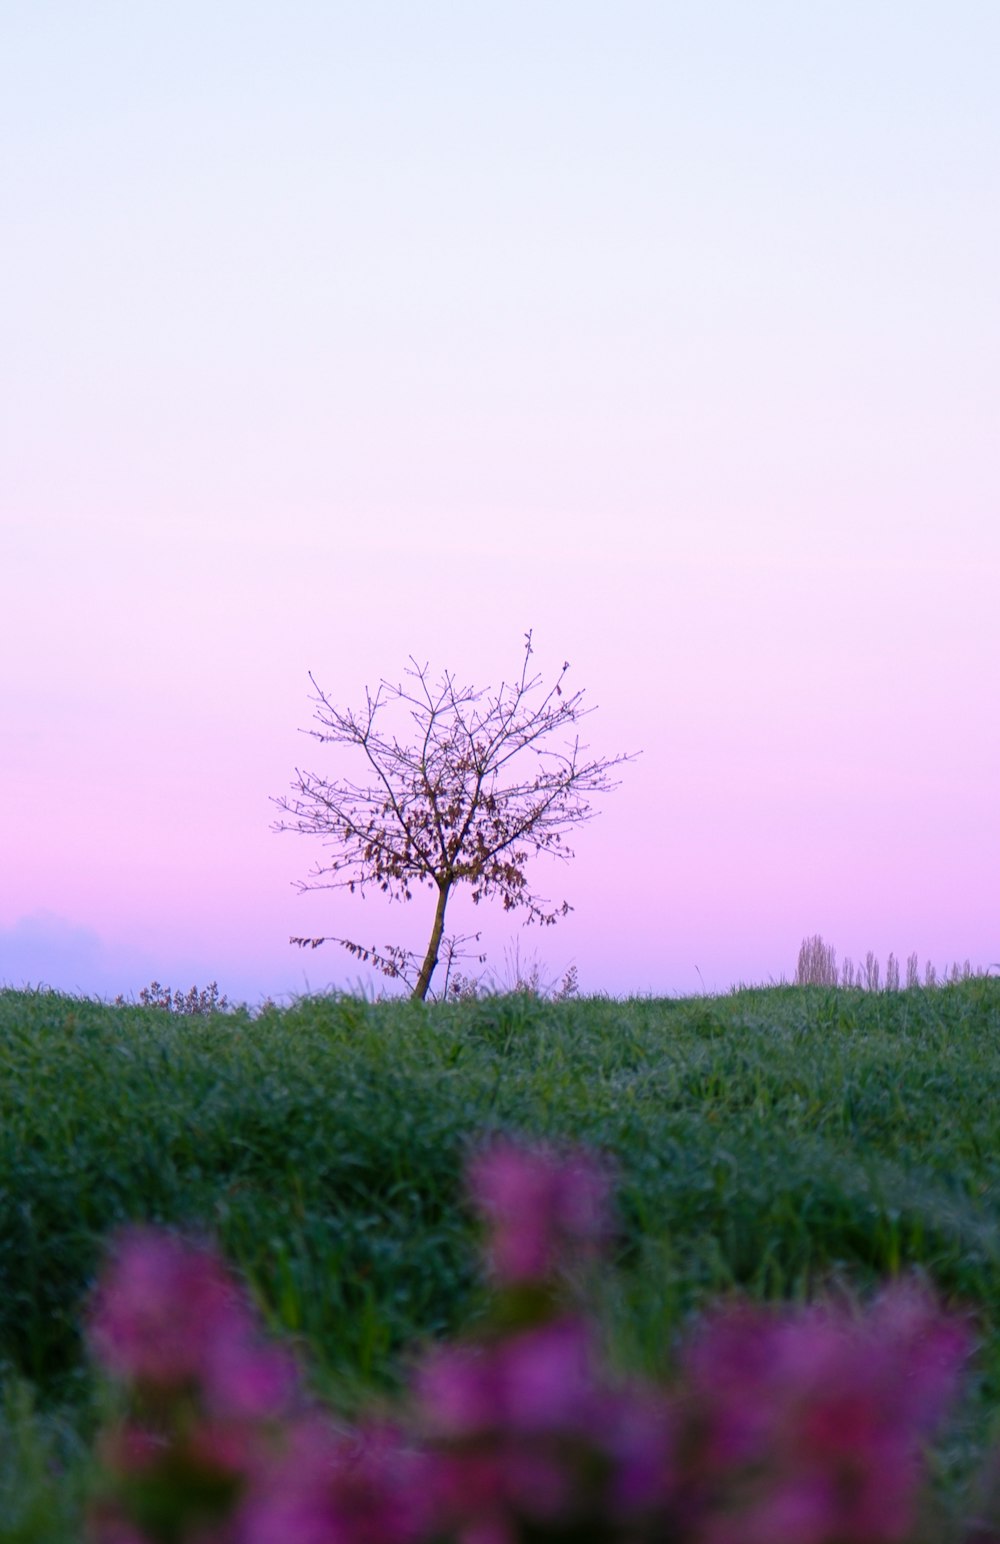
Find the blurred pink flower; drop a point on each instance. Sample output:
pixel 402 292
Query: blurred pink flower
pixel 106 1525
pixel 638 1431
pixel 541 1208
pixel 248 1380
pixel 324 1487
pixel 167 1316
pixel 160 1308
pixel 131 1450
pixel 526 1432
pixel 207 1393
pixel 535 1381
pixel 182 1484
pixel 782 1428
pixel 808 1429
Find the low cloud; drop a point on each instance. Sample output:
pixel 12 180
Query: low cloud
pixel 47 950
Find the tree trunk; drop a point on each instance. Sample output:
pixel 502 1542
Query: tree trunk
pixel 431 957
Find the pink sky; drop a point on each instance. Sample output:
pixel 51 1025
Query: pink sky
pixel 336 334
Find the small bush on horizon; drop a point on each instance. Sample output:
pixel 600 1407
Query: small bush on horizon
pixel 198 1002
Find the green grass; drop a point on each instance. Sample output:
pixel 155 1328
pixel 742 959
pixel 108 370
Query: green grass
pixel 45 1470
pixel 775 1140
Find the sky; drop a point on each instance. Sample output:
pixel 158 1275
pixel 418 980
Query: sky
pixel 336 333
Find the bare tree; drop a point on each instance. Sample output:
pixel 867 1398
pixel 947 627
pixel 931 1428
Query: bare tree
pixel 480 790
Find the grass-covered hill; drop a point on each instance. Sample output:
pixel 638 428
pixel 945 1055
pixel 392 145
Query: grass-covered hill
pixel 764 1140
pixel 778 1141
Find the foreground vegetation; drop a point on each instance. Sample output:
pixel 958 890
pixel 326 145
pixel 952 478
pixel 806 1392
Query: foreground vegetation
pixel 780 1141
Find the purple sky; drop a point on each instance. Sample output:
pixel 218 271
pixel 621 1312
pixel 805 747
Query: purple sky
pixel 338 333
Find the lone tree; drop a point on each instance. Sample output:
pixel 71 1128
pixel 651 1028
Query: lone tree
pixel 480 789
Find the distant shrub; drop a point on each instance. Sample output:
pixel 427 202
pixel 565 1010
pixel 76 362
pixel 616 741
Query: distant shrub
pixel 198 1002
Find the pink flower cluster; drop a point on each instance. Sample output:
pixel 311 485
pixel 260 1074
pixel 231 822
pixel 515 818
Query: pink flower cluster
pixel 206 1391
pixel 530 1437
pixel 803 1427
pixel 811 1427
pixel 541 1211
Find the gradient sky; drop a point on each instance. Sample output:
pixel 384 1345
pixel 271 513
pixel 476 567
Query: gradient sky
pixel 338 332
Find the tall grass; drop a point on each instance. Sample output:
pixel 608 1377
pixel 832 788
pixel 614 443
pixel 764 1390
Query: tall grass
pixel 45 1471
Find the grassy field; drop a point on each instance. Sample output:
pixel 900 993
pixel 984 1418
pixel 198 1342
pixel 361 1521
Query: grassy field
pixel 778 1141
